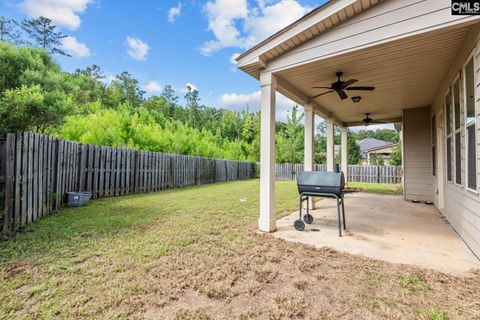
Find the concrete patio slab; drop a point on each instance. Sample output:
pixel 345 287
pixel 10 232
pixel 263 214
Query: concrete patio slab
pixel 386 228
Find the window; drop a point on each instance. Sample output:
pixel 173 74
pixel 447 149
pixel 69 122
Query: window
pixel 457 127
pixel 471 154
pixel 448 125
pixel 434 144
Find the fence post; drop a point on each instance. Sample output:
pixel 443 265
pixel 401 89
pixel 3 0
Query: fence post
pixel 9 177
pixel 378 174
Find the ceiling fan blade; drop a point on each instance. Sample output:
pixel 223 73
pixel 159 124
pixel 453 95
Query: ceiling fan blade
pixel 342 94
pixel 361 88
pixel 322 87
pixel 348 83
pixel 321 94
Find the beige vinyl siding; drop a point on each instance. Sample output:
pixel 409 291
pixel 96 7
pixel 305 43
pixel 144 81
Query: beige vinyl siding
pixel 462 207
pixel 417 154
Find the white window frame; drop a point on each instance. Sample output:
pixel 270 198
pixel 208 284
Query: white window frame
pixel 449 136
pixel 455 131
pixel 433 134
pixel 471 56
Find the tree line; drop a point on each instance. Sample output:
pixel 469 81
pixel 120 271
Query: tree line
pixel 37 95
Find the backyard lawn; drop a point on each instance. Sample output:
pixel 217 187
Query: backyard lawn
pixel 378 188
pixel 195 254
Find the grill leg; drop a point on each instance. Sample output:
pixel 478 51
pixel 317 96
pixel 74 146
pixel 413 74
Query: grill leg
pixel 343 213
pixel 300 207
pixel 308 205
pixel 339 219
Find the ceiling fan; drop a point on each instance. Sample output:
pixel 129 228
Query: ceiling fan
pixel 367 121
pixel 340 86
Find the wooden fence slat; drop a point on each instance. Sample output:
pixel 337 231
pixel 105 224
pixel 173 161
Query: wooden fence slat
pixel 30 179
pixel 9 162
pixel 18 181
pixel 40 176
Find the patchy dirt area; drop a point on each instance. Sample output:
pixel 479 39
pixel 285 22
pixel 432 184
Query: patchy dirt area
pixel 273 279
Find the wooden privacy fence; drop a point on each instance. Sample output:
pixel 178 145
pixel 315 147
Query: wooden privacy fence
pixel 40 169
pixel 356 173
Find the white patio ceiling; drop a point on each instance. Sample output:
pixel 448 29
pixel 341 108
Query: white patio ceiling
pixel 406 73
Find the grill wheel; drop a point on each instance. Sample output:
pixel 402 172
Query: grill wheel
pixel 308 218
pixel 299 225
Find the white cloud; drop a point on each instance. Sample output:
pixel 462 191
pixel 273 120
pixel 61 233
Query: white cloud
pixel 61 12
pixel 108 79
pixel 226 16
pixel 138 49
pixel 75 48
pixel 152 87
pixel 240 102
pixel 174 12
pixel 222 15
pixel 271 19
pixel 189 87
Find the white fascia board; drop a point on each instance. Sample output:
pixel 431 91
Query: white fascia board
pixel 252 56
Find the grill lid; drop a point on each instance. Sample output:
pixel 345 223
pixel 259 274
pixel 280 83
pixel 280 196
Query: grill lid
pixel 321 182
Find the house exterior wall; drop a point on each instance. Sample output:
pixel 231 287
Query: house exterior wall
pixel 460 205
pixel 417 155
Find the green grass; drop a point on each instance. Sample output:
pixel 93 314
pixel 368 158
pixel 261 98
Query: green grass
pixel 434 313
pixel 378 188
pixel 413 283
pixel 91 249
pixel 196 253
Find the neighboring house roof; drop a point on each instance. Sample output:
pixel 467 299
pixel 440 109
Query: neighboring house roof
pixel 372 144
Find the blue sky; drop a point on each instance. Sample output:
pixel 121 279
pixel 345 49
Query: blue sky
pixel 169 42
pixel 176 42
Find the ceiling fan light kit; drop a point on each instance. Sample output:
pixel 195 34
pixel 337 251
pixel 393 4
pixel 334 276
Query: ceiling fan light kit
pixel 356 99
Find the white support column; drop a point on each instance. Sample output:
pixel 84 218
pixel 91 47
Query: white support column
pixel 309 150
pixel 345 152
pixel 309 137
pixel 330 145
pixel 267 221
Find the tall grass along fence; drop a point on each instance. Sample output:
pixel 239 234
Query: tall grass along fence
pixel 356 173
pixel 38 170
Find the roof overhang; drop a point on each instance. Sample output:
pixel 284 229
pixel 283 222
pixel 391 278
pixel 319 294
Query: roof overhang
pixel 403 47
pixel 314 23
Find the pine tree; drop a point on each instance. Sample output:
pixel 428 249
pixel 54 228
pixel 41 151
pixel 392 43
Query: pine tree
pixel 9 31
pixel 169 95
pixel 94 72
pixel 44 34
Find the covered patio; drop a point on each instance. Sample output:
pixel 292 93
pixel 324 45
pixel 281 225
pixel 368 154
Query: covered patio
pixel 388 228
pixel 410 52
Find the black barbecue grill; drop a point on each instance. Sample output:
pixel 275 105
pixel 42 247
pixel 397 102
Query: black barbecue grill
pixel 320 184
